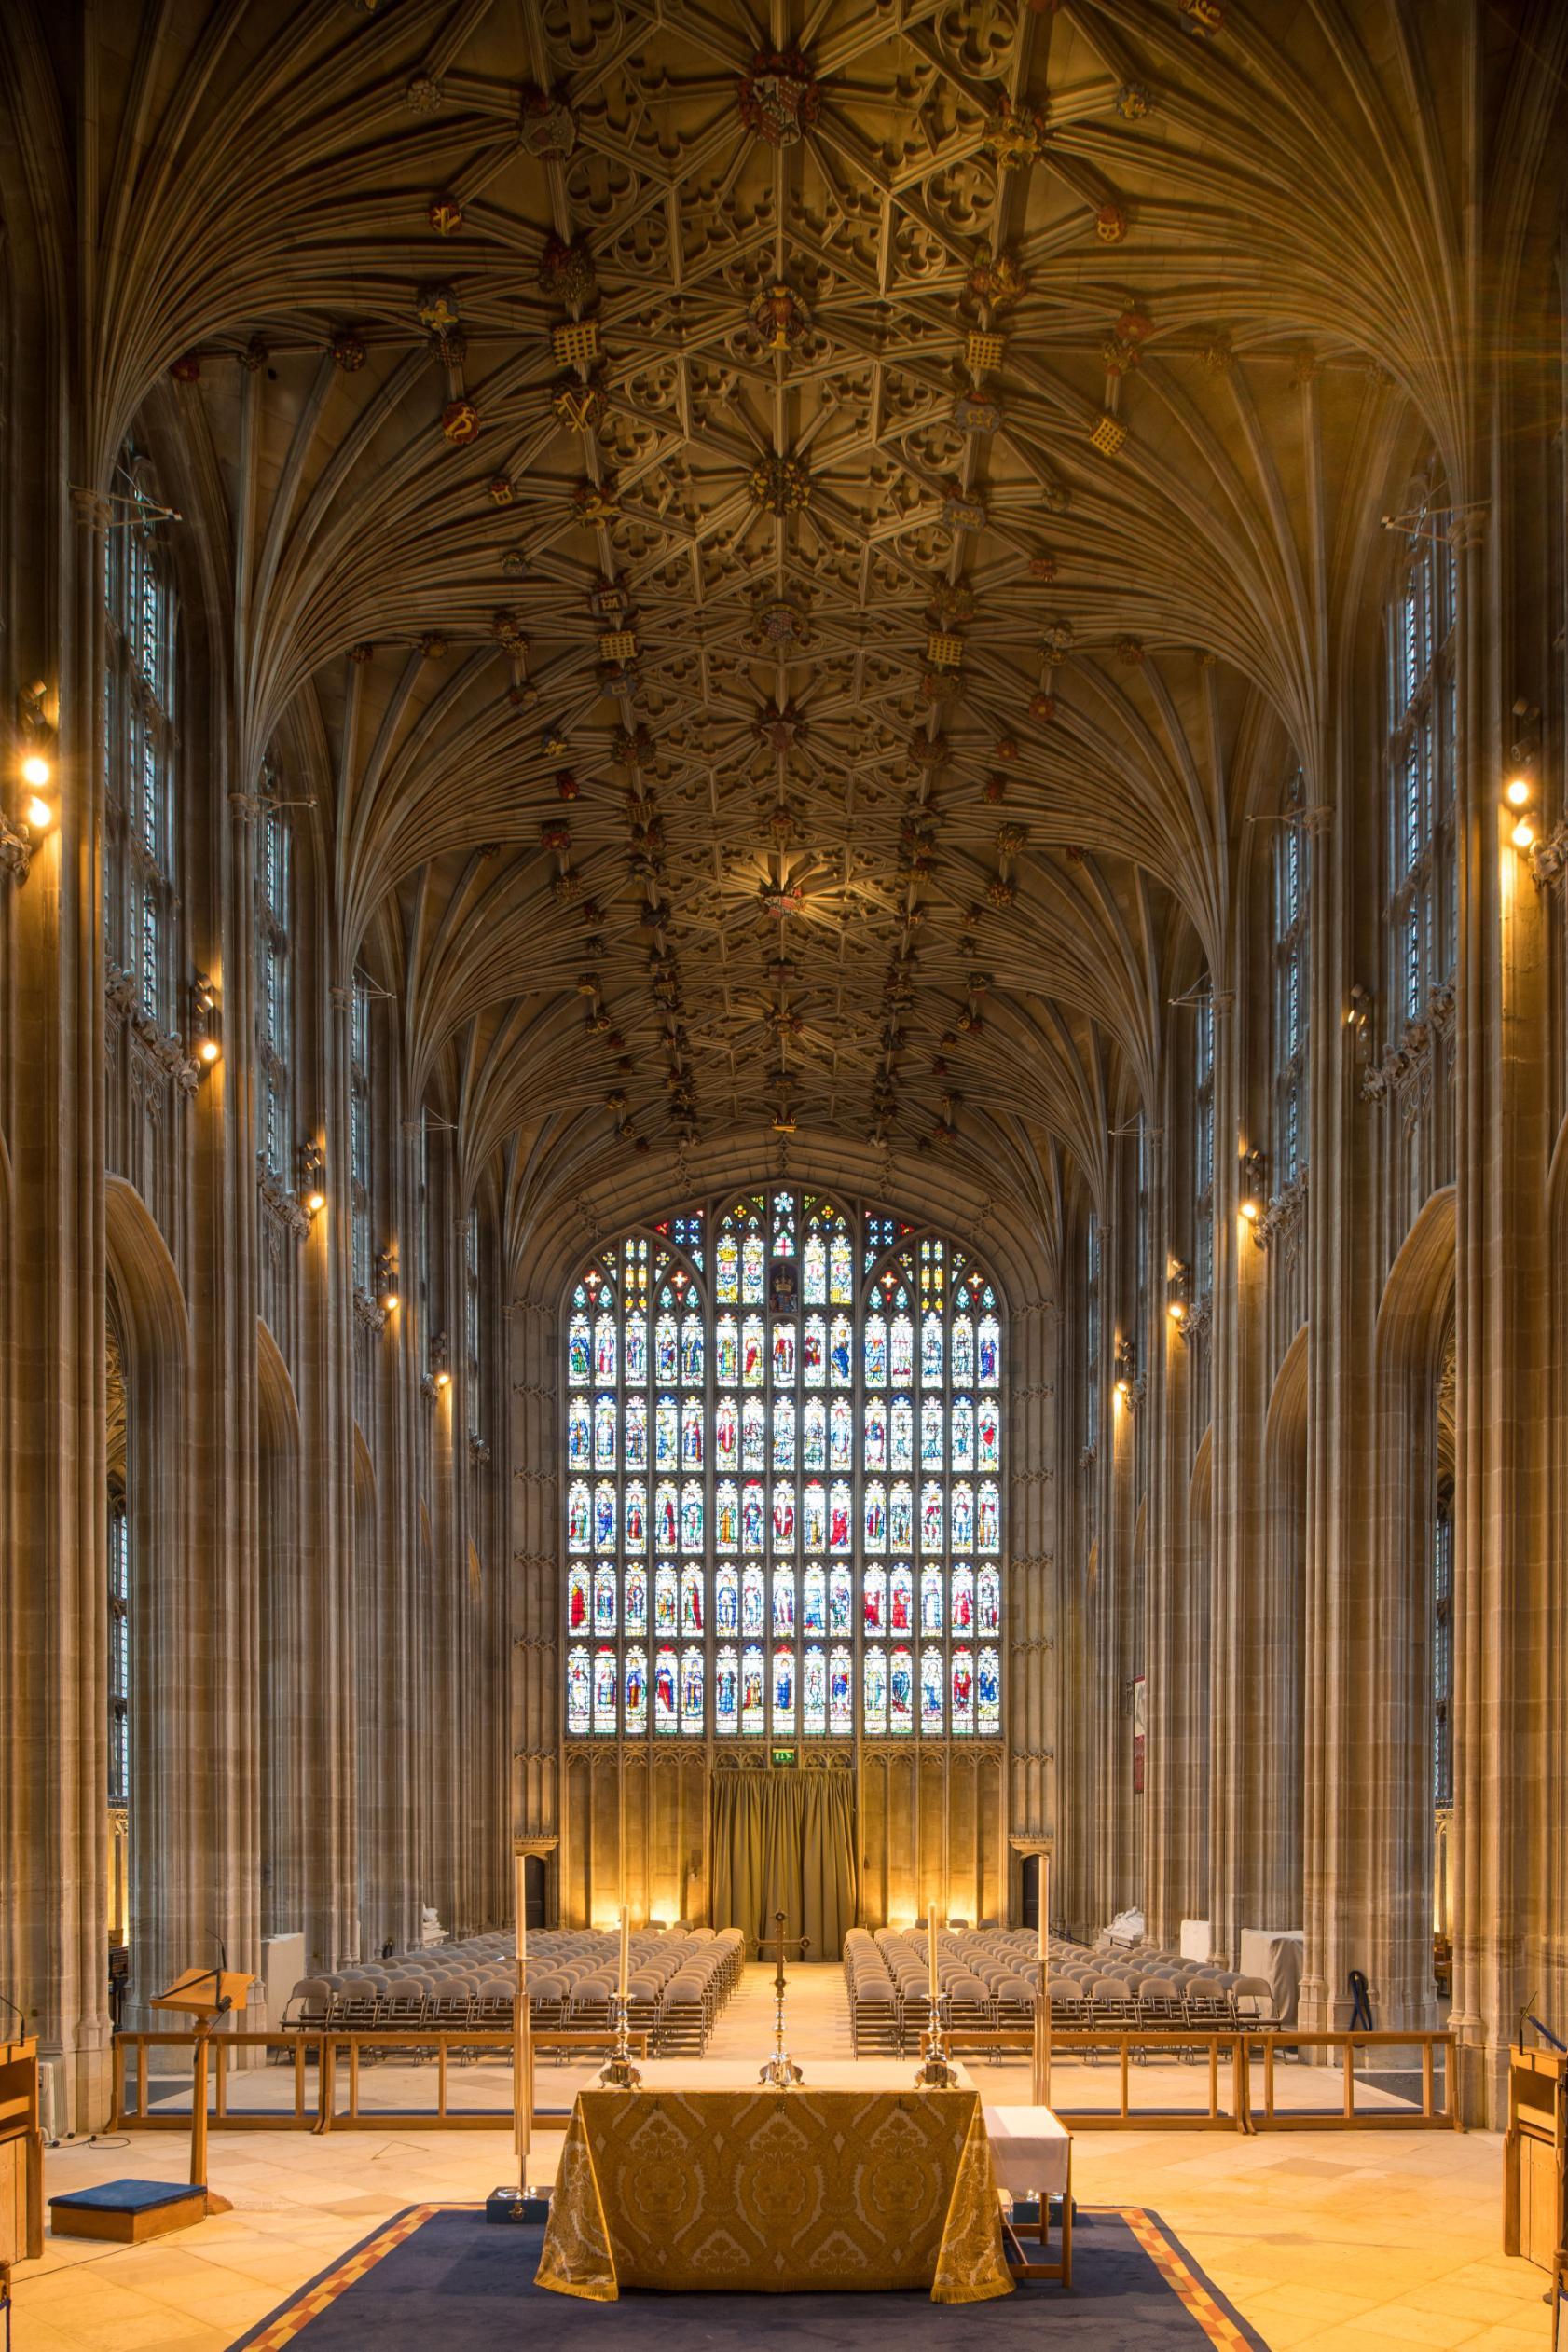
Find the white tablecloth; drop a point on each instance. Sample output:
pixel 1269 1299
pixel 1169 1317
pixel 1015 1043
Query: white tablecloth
pixel 1030 2149
pixel 822 2074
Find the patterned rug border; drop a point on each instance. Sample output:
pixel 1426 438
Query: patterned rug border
pixel 1214 2312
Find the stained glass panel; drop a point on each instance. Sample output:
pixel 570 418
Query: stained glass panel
pixel 788 1484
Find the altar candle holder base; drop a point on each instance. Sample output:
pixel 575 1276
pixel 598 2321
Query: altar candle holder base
pixel 781 2073
pixel 618 2074
pixel 935 2071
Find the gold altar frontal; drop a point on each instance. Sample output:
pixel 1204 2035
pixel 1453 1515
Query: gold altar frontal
pixel 795 2191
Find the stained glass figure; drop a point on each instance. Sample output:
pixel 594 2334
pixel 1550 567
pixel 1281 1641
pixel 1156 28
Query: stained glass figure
pixel 693 1713
pixel 606 1673
pixel 814 1352
pixel 691 1600
pixel 963 1352
pixel 577 1601
pixel 726 1692
pixel 783 1600
pixel 841 1278
pixel 841 1703
pixel 666 1518
pixel 579 1525
pixel 665 1598
pixel 989 1602
pixel 901 1691
pixel 637 1516
pixel 637 1433
pixel 579 1367
pixel 666 1352
pixel 989 1428
pixel 903 1349
pixel 783 1433
pixel 838 1514
pixel 841 1600
pixel 605 1597
pixel 902 1450
pixel 604 1347
pixel 902 1533
pixel 989 1536
pixel 963 1432
pixel 931 1434
pixel 874 1587
pixel 637 1598
pixel 815 1516
pixel 726 1601
pixel 814 1264
pixel 753 1711
pixel 726 1351
pixel 691 1433
pixel 841 1340
pixel 783 1689
pixel 753 1433
pixel 665 1714
pixel 930 1350
pixel 726 1434
pixel 783 1354
pixel 990 1352
pixel 988 1683
pixel 726 1268
pixel 874 1686
pixel 578 1438
pixel 901 1598
pixel 783 1515
pixel 814 1434
pixel 932 1676
pixel 930 1602
pixel 842 1455
pixel 877 1433
pixel 691 1351
pixel 814 1693
pixel 753 1351
pixel 636 1351
pixel 604 1516
pixel 963 1515
pixel 579 1707
pixel 636 1717
pixel 814 1599
pixel 727 1515
pixel 691 1516
pixel 876 1352
pixel 753 1599
pixel 666 1441
pixel 751 1515
pixel 962 1718
pixel 931 1516
pixel 751 1258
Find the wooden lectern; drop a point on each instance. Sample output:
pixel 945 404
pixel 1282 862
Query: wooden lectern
pixel 205 1994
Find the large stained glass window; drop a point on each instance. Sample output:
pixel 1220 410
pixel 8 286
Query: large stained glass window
pixel 783 1479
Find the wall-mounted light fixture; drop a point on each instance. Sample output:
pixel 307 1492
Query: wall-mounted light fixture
pixel 1519 791
pixel 1178 1291
pixel 204 1043
pixel 386 1281
pixel 1129 1389
pixel 312 1178
pixel 35 804
pixel 1255 1184
pixel 439 1377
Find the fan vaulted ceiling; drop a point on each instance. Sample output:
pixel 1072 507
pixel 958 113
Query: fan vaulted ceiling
pixel 785 543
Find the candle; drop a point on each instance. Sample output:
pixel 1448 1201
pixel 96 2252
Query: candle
pixel 519 1876
pixel 931 1956
pixel 625 1947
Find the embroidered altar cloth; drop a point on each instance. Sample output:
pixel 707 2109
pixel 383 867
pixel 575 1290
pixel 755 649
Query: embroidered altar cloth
pixel 796 2192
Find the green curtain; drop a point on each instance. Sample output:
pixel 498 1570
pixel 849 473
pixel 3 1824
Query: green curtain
pixel 785 1841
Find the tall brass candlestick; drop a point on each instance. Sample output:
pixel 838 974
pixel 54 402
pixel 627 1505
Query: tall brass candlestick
pixel 626 1951
pixel 1042 1999
pixel 618 2073
pixel 522 2038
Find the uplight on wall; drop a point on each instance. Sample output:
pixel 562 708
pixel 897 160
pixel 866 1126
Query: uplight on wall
pixel 313 1175
pixel 386 1282
pixel 206 1044
pixel 1255 1184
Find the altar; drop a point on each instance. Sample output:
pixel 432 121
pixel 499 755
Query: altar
pixel 702 2179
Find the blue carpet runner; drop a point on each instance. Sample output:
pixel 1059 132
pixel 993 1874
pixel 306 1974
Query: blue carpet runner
pixel 437 2276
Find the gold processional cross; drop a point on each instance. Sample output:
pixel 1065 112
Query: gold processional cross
pixel 780 2070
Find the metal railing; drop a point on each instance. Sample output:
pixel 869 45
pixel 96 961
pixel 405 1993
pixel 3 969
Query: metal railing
pixel 318 2063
